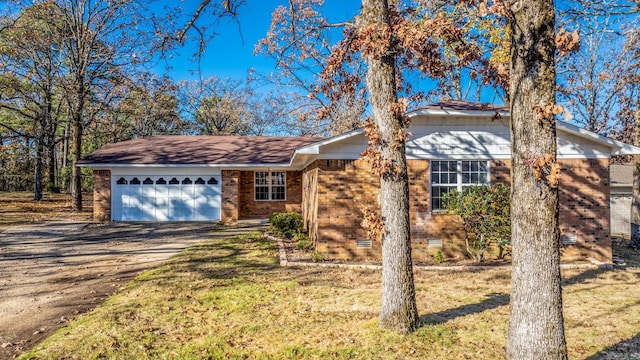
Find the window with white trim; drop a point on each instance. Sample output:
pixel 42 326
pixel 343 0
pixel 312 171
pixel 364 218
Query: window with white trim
pixel 270 185
pixel 447 175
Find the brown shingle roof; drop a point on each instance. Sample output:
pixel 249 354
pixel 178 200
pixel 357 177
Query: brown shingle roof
pixel 200 150
pixel 464 106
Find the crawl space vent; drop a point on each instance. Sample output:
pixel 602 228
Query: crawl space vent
pixel 569 239
pixel 363 244
pixel 434 242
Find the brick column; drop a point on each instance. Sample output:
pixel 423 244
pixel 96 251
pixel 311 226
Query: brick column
pixel 102 195
pixel 230 206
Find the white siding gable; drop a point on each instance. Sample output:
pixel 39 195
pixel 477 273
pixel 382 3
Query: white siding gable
pixel 463 137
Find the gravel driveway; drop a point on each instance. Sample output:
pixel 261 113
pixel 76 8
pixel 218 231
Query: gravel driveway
pixel 51 272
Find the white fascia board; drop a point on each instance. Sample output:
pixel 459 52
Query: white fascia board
pixel 314 149
pixel 617 147
pixel 474 113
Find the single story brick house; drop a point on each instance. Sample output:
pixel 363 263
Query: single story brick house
pixel 453 144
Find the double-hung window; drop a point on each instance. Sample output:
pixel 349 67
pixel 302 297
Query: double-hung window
pixel 447 175
pixel 270 185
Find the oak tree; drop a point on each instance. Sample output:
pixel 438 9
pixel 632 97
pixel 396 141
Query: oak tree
pixel 536 325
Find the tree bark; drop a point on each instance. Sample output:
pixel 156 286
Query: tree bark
pixel 37 182
pixel 76 179
pixel 398 310
pixel 635 201
pixel 536 325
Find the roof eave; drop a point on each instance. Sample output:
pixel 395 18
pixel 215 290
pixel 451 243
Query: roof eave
pixel 617 147
pixel 119 165
pixel 451 112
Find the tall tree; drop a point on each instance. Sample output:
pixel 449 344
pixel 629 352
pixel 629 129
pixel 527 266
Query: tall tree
pixel 30 62
pixel 398 309
pixel 398 41
pixel 536 325
pixel 103 38
pixel 631 111
pixel 217 106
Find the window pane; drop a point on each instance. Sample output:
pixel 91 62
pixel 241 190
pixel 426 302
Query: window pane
pixel 453 166
pixel 277 193
pixel 277 178
pixel 262 193
pixel 436 196
pixel 261 178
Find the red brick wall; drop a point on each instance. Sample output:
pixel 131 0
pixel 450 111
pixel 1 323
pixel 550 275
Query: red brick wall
pixel 310 200
pixel 102 195
pixel 584 208
pixel 252 209
pixel 229 190
pixel 341 188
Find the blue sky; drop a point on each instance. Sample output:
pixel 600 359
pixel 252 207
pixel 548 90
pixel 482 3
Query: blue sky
pixel 230 54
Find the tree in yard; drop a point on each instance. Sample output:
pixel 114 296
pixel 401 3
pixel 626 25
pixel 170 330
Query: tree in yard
pixel 536 325
pixel 398 309
pixel 630 111
pixel 143 106
pixel 217 106
pixel 30 63
pixel 396 41
pixel 102 39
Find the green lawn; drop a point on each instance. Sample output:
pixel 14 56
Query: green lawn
pixel 230 299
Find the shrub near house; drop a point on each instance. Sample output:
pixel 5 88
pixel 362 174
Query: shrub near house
pixel 484 212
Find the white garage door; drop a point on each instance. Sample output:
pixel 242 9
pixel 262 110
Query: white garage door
pixel 166 198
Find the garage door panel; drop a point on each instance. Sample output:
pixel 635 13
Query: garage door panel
pixel 167 198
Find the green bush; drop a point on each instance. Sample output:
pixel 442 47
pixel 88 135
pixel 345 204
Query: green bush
pixel 51 187
pixel 286 224
pixel 485 214
pixel 438 258
pixel 318 257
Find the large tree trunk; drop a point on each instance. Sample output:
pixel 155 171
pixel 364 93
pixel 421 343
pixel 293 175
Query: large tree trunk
pixel 39 142
pixel 536 325
pixel 76 179
pixel 51 156
pixel 635 202
pixel 37 183
pixel 398 310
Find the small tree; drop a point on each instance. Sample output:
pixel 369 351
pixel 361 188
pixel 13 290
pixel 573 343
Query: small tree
pixel 485 215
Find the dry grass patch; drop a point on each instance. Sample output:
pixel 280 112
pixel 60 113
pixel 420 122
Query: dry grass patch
pixel 230 299
pixel 18 208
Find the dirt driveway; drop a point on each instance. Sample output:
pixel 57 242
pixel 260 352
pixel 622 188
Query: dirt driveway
pixel 51 272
